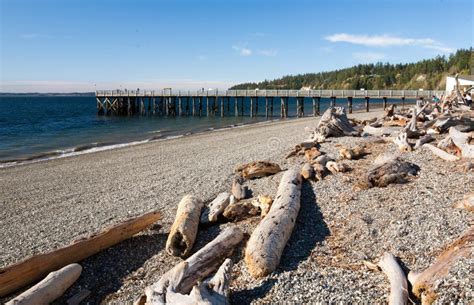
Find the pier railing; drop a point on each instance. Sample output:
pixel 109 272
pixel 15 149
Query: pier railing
pixel 273 93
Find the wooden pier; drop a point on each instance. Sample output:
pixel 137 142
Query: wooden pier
pixel 232 102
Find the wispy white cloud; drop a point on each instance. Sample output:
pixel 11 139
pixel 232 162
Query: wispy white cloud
pixel 242 49
pixel 270 53
pixel 34 36
pixel 368 56
pixel 387 41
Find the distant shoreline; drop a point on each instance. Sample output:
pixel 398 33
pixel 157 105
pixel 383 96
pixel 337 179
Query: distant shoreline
pixel 35 94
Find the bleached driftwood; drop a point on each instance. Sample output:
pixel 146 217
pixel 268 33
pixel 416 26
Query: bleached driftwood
pixel 239 210
pixel 185 226
pixel 335 167
pixel 268 240
pixel 50 288
pixel 333 123
pixel 423 140
pixel 402 142
pixel 423 283
pixel 257 169
pixel 323 159
pixel 390 169
pixel 238 189
pixel 354 153
pixel 467 203
pixel 36 267
pixel 461 140
pixel 397 279
pixel 441 153
pixel 307 171
pixel 215 208
pixel 319 171
pixel 197 267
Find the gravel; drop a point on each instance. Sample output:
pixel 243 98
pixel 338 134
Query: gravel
pixel 48 204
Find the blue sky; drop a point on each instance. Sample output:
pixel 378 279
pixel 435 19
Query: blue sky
pixel 52 45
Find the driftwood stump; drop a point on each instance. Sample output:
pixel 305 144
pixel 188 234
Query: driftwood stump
pixel 268 240
pixel 215 208
pixel 257 169
pixel 184 229
pixel 333 123
pixel 390 169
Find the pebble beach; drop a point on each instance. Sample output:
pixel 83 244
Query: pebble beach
pixel 49 204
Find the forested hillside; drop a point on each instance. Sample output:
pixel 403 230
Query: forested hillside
pixel 427 74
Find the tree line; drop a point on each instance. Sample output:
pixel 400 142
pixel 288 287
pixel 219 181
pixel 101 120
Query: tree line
pixel 427 74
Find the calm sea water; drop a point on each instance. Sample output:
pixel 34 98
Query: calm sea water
pixel 41 127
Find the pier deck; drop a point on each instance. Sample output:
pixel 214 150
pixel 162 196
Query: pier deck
pixel 169 102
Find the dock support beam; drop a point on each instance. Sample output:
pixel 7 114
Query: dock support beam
pixel 333 101
pixel 284 107
pixel 271 107
pixel 349 104
pixel 100 106
pixel 384 103
pixel 367 99
pixel 266 107
pixel 222 106
pixel 251 107
pixel 300 107
pixel 207 105
pixel 236 106
pixel 256 106
pixel 403 102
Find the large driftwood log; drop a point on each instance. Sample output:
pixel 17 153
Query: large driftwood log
pixel 333 123
pixel 184 229
pixel 238 189
pixel 51 288
pixel 197 267
pixel 335 167
pixel 390 169
pixel 268 240
pixel 461 140
pixel 25 272
pixel 441 153
pixel 215 208
pixel 397 279
pixel 258 169
pixel 379 132
pixel 423 283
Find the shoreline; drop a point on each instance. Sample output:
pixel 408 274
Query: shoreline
pixel 98 147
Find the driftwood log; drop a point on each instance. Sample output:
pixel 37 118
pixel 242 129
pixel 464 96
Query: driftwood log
pixel 197 267
pixel 423 140
pixel 333 123
pixel 50 288
pixel 402 142
pixel 423 283
pixel 354 153
pixel 215 208
pixel 441 153
pixel 307 171
pixel 257 169
pixel 184 229
pixel 397 279
pixel 266 244
pixel 36 267
pixel 390 169
pixel 335 167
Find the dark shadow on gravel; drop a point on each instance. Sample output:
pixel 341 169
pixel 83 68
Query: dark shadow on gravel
pixel 246 296
pixel 310 229
pixel 104 272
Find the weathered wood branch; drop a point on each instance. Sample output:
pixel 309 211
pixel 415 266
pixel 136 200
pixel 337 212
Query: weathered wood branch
pixel 25 272
pixel 397 279
pixel 354 153
pixel 467 203
pixel 387 170
pixel 402 142
pixel 215 208
pixel 423 140
pixel 238 210
pixel 268 240
pixel 441 153
pixel 238 189
pixel 50 288
pixel 185 226
pixel 197 267
pixel 423 283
